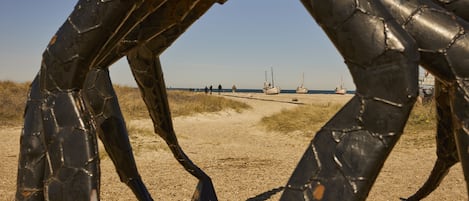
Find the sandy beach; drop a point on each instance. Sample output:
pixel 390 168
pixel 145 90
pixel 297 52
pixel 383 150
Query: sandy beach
pixel 241 157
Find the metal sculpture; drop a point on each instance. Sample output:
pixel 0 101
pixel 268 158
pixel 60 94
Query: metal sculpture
pixel 382 43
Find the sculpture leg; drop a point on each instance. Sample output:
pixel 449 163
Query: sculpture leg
pixel 32 154
pixel 443 45
pixel 100 97
pixel 71 170
pixel 344 158
pixel 445 145
pixel 146 68
pixel 460 119
pixel 72 167
pixel 147 71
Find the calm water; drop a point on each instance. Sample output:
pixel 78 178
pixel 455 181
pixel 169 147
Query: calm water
pixel 283 91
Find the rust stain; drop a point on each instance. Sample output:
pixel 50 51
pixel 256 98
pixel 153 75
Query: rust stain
pixel 53 39
pixel 26 194
pixel 318 192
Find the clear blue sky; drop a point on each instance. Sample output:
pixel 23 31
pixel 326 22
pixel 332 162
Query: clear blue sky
pixel 234 43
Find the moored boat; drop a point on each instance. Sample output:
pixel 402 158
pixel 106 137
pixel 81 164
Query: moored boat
pixel 270 88
pixel 301 89
pixel 341 89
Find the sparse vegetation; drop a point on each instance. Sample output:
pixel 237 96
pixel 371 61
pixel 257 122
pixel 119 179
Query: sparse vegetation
pixel 144 139
pixel 182 103
pixel 421 127
pixel 422 117
pixel 13 97
pixel 308 119
pixel 305 119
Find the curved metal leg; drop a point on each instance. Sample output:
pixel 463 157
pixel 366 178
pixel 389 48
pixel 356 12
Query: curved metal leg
pixel 445 145
pixel 147 71
pixel 72 167
pixel 444 47
pixel 460 113
pixel 139 22
pixel 146 68
pixel 32 154
pixel 344 158
pixel 100 97
pixel 71 170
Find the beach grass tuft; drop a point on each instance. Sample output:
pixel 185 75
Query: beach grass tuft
pixel 308 119
pixel 13 98
pixel 184 103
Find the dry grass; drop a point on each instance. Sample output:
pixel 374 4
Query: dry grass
pixel 182 103
pixel 422 117
pixel 308 119
pixel 131 102
pixel 305 119
pixel 13 97
pixel 421 126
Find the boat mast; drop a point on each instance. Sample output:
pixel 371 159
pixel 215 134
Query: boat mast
pixel 302 79
pixel 272 70
pixel 341 82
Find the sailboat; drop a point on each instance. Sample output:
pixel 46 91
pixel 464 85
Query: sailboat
pixel 341 89
pixel 269 87
pixel 301 89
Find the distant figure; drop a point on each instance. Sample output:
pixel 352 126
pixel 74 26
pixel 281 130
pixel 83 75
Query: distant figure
pixel 233 88
pixel 219 89
pixel 211 89
pixel 206 90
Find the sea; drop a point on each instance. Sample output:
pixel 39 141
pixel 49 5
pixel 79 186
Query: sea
pixel 286 91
